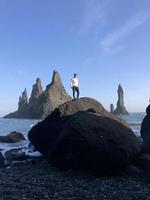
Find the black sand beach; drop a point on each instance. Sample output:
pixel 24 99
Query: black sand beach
pixel 40 181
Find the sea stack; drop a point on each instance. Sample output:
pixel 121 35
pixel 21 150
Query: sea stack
pixel 41 103
pixel 54 95
pixel 120 103
pixel 112 108
pixel 23 101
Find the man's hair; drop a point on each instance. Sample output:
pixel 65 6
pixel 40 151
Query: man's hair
pixel 75 74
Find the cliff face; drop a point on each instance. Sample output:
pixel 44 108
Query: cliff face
pixel 41 103
pixel 120 103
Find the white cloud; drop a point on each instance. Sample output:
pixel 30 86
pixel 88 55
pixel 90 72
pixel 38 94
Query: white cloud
pixel 112 39
pixel 94 15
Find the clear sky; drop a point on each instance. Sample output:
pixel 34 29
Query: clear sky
pixel 106 42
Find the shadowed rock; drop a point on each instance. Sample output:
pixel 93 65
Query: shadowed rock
pixel 145 131
pixel 82 134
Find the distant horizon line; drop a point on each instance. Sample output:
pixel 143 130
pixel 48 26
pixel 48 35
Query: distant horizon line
pixel 2 115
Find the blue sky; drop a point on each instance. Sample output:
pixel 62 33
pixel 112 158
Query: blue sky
pixel 106 42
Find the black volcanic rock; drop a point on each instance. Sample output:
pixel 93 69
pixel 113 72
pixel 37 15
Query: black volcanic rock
pixel 145 131
pixel 41 103
pixel 120 103
pixel 111 108
pixel 12 137
pixel 37 90
pixel 82 134
pixel 23 101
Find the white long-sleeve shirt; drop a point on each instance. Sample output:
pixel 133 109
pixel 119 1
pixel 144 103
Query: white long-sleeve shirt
pixel 74 82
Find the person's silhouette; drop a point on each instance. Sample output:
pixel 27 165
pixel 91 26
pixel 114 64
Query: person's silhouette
pixel 75 85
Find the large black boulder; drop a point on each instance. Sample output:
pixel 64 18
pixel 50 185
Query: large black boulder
pixel 44 134
pixel 82 134
pixel 145 131
pixel 96 142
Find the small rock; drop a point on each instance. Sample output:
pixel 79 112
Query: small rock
pixel 12 137
pixel 2 160
pixel 143 162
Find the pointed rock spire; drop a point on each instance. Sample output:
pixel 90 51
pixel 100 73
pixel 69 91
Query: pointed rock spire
pixel 120 103
pixel 36 91
pixel 23 101
pixel 25 96
pixel 41 103
pixel 56 80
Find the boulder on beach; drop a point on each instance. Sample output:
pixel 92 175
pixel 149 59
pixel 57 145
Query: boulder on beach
pixel 2 160
pixel 14 155
pixel 82 134
pixel 145 131
pixel 142 161
pixel 12 137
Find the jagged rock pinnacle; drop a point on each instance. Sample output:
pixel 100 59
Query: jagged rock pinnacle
pixel 36 91
pixel 41 103
pixel 120 103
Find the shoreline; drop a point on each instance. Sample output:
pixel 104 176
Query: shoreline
pixel 40 181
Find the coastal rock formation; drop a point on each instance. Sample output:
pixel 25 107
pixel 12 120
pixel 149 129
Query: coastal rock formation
pixel 12 137
pixel 111 108
pixel 33 107
pixel 54 95
pixel 36 91
pixel 23 101
pixel 145 131
pixel 82 134
pixel 120 103
pixel 41 103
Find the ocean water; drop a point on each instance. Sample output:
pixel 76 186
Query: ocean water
pixel 134 120
pixel 24 125
pixel 19 125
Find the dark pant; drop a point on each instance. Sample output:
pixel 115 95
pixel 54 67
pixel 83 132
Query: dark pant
pixel 75 89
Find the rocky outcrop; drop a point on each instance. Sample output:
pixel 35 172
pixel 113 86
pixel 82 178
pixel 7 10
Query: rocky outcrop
pixel 12 137
pixel 23 102
pixel 36 91
pixel 112 108
pixel 33 107
pixel 120 103
pixel 82 134
pixel 143 162
pixel 145 131
pixel 54 95
pixel 41 103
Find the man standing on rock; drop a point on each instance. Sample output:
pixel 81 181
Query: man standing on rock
pixel 75 85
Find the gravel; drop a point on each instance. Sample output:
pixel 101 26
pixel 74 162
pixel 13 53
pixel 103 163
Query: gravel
pixel 40 181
